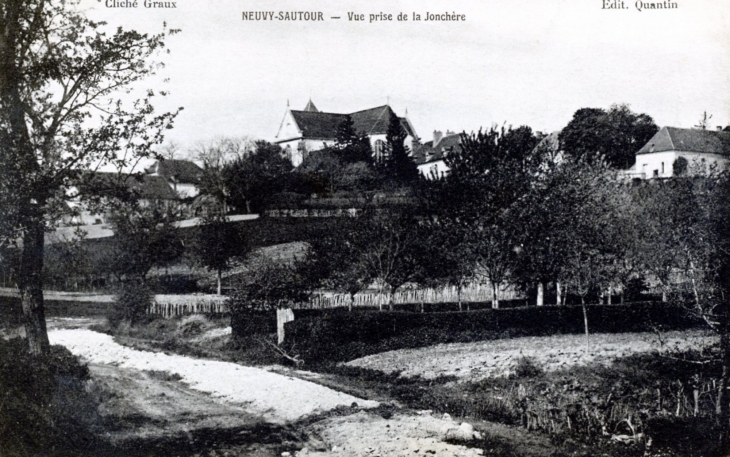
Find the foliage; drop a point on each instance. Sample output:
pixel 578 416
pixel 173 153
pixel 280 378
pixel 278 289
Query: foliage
pixel 58 71
pixel 353 147
pixel 144 237
pixel 326 172
pixel 491 174
pixel 46 409
pixel 398 166
pixel 528 367
pixel 680 166
pixel 133 300
pixel 268 285
pixel 217 241
pixel 252 179
pixel 615 134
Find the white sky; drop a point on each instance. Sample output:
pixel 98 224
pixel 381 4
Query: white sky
pixel 531 62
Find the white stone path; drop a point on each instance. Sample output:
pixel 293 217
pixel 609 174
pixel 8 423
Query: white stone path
pixel 277 398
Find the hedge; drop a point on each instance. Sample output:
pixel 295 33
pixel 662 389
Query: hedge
pixel 338 335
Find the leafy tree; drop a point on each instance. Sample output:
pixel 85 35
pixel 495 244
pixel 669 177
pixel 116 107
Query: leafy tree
pixel 491 173
pixel 398 165
pixel 336 260
pixel 251 180
pixel 58 71
pixel 216 242
pixel 353 146
pixel 268 285
pixel 680 166
pixel 323 172
pixel 448 258
pixel 616 134
pixel 388 243
pixel 144 237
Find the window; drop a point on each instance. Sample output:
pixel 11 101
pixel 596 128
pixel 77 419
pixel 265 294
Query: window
pixel 662 167
pixel 379 147
pixel 656 173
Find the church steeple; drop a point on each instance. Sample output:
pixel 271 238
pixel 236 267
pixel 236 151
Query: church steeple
pixel 310 107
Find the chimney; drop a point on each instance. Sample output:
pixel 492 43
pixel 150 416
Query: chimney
pixel 437 137
pixel 449 133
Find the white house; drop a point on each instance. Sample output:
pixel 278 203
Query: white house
pixel 430 155
pixel 703 150
pixel 183 176
pixel 310 129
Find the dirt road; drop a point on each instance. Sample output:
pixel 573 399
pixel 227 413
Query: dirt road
pixel 175 405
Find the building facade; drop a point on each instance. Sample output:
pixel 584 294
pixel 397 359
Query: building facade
pixel 309 130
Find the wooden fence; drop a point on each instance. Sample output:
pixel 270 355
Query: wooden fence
pixel 474 293
pixel 178 305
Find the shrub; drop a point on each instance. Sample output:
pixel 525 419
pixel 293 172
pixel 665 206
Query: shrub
pixel 132 302
pixel 528 367
pixel 45 408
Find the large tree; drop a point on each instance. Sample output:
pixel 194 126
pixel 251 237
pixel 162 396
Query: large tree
pixel 615 134
pixel 59 72
pixel 216 242
pixel 491 173
pixel 252 179
pixel 398 165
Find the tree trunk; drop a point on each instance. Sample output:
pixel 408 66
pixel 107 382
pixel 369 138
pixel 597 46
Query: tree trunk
pixel 722 408
pixel 458 297
pixel 30 285
pixel 540 294
pixel 219 277
pixel 558 293
pixel 585 313
pixel 495 300
pixel 352 302
pixel 608 299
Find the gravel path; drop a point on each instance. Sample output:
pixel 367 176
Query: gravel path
pixel 276 398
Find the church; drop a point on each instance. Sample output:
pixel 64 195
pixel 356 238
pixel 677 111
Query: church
pixel 310 129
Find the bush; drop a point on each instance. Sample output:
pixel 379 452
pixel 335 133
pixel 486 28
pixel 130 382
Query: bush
pixel 132 302
pixel 527 367
pixel 45 408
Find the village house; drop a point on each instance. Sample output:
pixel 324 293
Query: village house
pixel 166 182
pixel 309 130
pixel 430 155
pixel 703 151
pixel 183 176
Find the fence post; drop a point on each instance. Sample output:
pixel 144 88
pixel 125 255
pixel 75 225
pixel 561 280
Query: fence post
pixel 283 315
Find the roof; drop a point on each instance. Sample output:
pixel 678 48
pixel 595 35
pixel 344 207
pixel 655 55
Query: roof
pixel 152 187
pixel 148 187
pixel 310 107
pixel 180 171
pixel 373 121
pixel 430 153
pixel 318 124
pixel 688 140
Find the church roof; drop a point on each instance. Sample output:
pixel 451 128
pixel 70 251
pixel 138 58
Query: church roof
pixel 310 107
pixel 688 140
pixel 318 124
pixel 373 121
